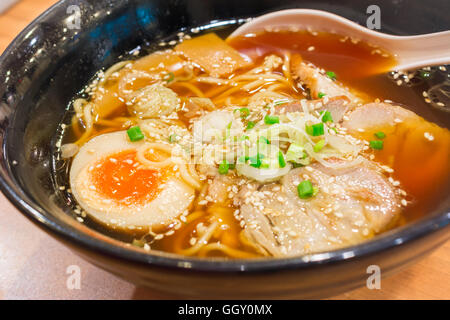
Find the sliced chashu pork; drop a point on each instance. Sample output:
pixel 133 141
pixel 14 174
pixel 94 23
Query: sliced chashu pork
pixel 351 205
pixel 376 114
pixel 417 150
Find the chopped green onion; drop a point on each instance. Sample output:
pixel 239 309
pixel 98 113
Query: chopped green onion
pixel 263 139
pixel 268 119
pixel 331 75
pixel 321 95
pixel 256 160
pixel 245 112
pixel 250 125
pixel 380 135
pixel 173 138
pixel 376 144
pixel 319 145
pixel 169 77
pixel 135 134
pixel 305 189
pixel 227 131
pixel 297 165
pixel 315 129
pixel 333 129
pixel 295 152
pixel 281 161
pixel 315 190
pixel 223 167
pixel 425 74
pixel 326 116
pixel 265 163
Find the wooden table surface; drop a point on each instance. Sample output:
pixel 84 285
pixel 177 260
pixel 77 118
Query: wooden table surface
pixel 34 266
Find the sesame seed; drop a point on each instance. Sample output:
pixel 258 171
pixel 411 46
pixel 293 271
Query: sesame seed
pixel 428 136
pixel 293 234
pixel 192 241
pixel 338 214
pixel 170 232
pixel 387 169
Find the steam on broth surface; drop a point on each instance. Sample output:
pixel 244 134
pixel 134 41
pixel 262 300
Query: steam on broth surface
pixel 274 144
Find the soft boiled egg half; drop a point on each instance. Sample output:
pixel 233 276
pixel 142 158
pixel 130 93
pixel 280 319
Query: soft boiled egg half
pixel 113 187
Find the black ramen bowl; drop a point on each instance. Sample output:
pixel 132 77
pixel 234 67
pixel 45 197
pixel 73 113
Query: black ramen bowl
pixel 56 55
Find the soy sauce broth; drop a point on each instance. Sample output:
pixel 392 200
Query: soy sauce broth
pixel 358 66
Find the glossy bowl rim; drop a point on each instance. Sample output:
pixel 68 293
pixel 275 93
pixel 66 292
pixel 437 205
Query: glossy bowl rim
pixel 56 227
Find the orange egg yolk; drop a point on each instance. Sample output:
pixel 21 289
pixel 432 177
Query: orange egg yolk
pixel 122 178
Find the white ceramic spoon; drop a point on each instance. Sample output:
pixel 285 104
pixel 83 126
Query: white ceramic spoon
pixel 410 51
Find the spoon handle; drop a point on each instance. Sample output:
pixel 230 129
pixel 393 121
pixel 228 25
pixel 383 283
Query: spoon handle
pixel 421 50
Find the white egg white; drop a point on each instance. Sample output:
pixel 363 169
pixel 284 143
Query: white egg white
pixel 174 196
